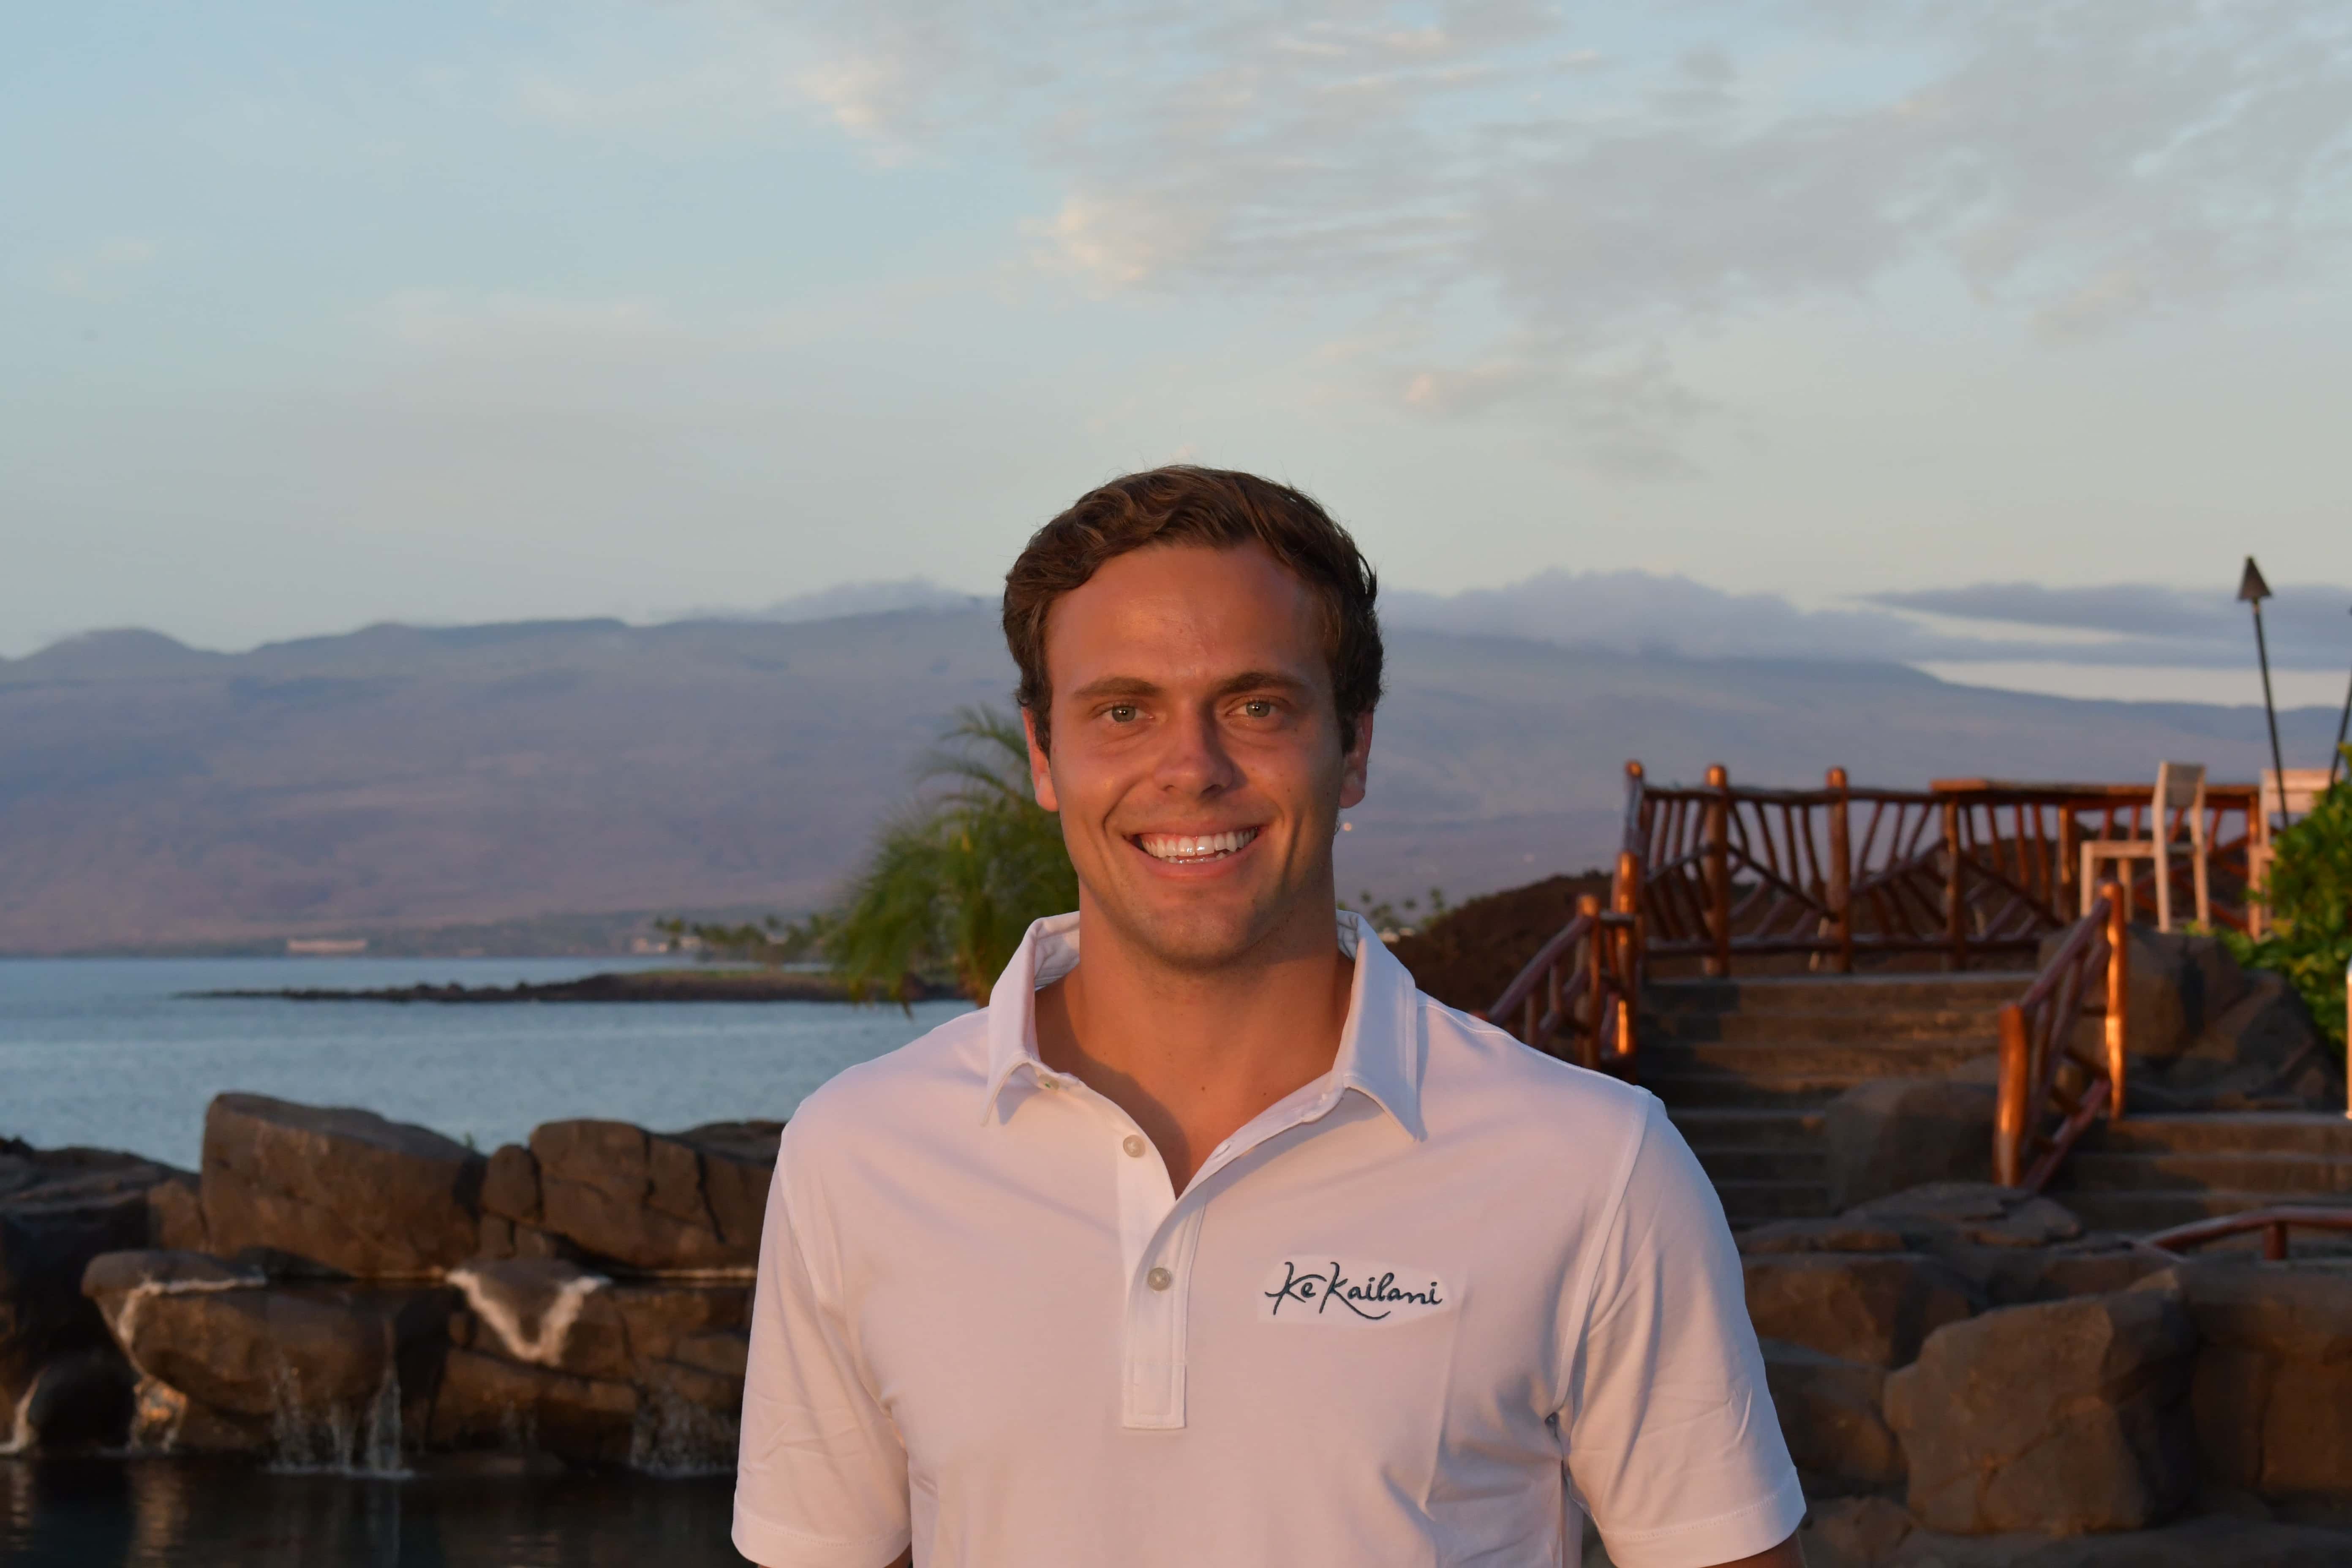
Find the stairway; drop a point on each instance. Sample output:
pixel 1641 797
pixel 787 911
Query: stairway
pixel 1745 1067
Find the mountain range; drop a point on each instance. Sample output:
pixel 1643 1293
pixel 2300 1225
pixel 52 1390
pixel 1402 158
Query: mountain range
pixel 592 773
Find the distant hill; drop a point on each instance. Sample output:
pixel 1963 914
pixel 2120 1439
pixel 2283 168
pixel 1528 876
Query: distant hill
pixel 153 796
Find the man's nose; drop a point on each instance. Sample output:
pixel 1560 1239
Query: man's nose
pixel 1195 760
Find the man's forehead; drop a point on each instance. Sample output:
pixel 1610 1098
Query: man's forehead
pixel 1167 613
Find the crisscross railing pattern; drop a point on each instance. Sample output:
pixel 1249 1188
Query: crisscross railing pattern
pixel 1580 997
pixel 1966 868
pixel 2051 1091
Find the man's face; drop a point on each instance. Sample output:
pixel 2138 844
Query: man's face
pixel 1196 761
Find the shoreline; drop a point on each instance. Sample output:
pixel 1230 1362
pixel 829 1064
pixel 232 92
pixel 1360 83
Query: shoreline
pixel 647 986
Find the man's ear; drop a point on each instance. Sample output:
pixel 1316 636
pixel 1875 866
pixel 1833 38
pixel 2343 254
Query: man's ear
pixel 1041 767
pixel 1355 766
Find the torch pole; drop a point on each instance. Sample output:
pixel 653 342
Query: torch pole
pixel 2270 712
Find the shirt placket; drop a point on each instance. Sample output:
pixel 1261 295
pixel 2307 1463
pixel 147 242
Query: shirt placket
pixel 1158 1235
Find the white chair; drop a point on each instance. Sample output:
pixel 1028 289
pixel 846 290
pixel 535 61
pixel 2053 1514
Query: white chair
pixel 2180 792
pixel 2301 791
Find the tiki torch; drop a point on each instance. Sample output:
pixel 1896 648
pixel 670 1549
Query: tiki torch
pixel 2253 590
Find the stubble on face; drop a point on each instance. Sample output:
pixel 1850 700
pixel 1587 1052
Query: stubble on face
pixel 1196 761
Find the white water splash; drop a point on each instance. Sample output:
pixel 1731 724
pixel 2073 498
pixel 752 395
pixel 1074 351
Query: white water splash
pixel 544 1347
pixel 124 1323
pixel 20 1434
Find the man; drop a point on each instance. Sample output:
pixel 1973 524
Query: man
pixel 1213 1241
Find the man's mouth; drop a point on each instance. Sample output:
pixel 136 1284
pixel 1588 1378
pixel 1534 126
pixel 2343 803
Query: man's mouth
pixel 1193 850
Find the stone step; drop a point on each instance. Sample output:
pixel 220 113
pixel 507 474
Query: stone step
pixel 2292 1178
pixel 1839 993
pixel 1923 1025
pixel 1739 1127
pixel 1703 1089
pixel 1849 1062
pixel 1764 1165
pixel 2217 1131
pixel 2138 1213
pixel 1749 1203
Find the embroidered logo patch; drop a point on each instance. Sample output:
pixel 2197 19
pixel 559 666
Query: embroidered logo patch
pixel 1324 1291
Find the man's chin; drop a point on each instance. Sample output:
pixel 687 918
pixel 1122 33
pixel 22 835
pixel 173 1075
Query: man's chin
pixel 1195 939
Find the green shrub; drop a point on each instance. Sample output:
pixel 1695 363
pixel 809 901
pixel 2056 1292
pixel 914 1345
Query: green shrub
pixel 2309 892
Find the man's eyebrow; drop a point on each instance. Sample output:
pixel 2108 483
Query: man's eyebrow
pixel 1136 685
pixel 1260 680
pixel 1115 686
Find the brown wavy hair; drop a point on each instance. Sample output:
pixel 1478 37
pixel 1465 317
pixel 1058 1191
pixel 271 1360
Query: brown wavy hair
pixel 1219 509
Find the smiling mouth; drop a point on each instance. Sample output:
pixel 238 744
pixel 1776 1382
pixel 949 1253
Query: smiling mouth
pixel 1193 850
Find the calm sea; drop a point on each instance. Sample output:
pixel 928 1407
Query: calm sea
pixel 120 1054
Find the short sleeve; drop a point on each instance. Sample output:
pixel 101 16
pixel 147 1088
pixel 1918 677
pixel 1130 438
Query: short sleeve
pixel 1671 1437
pixel 821 1474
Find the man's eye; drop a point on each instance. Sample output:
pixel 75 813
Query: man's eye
pixel 1121 712
pixel 1258 708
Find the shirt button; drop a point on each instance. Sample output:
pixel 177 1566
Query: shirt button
pixel 1160 1280
pixel 1134 1147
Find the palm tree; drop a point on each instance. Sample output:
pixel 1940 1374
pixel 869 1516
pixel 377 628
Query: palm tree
pixel 955 878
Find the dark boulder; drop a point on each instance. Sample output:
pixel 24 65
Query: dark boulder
pixel 341 1189
pixel 487 1400
pixel 2059 1417
pixel 59 1208
pixel 651 1200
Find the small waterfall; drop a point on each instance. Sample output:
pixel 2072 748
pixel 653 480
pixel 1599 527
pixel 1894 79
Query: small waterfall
pixel 336 1440
pixel 544 1345
pixel 673 1436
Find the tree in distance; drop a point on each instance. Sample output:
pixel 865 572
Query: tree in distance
pixel 954 880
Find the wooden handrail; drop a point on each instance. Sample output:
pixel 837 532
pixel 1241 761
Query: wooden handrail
pixel 1580 997
pixel 2036 1037
pixel 2273 1223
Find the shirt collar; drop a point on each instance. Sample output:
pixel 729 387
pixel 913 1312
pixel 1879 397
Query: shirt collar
pixel 1380 1046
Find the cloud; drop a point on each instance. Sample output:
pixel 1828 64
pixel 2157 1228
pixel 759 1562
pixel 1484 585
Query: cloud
pixel 97 272
pixel 2308 628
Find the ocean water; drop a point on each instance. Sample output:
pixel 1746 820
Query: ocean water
pixel 120 1053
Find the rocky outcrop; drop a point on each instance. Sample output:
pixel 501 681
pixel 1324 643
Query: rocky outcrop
pixel 336 1190
pixel 645 1200
pixel 2059 1418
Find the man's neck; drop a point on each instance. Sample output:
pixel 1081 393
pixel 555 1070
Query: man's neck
pixel 1195 1055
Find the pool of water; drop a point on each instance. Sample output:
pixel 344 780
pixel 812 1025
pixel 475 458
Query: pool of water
pixel 184 1513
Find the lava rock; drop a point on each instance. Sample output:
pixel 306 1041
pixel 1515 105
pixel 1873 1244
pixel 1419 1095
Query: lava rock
pixel 2061 1418
pixel 487 1400
pixel 650 1200
pixel 2273 1391
pixel 1830 1414
pixel 1873 1307
pixel 334 1188
pixel 1854 1532
pixel 59 1208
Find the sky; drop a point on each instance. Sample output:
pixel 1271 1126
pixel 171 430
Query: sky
pixel 1989 336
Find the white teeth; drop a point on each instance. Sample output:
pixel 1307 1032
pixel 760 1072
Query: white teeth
pixel 1182 847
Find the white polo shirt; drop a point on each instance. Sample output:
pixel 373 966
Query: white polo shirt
pixel 1418 1312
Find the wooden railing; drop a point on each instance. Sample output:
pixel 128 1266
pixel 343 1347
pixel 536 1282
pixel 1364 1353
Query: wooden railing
pixel 2273 1223
pixel 1580 997
pixel 1967 869
pixel 2050 1093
